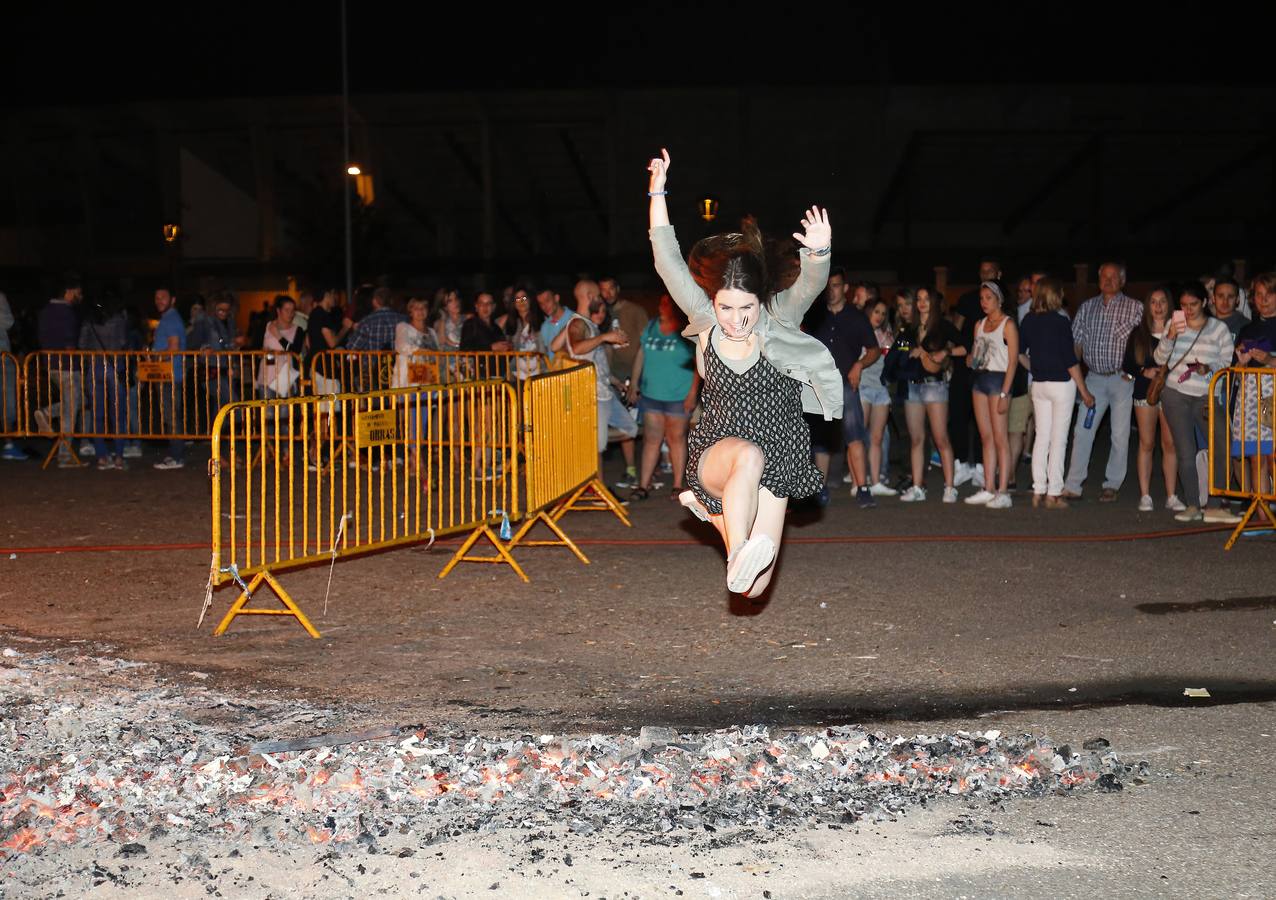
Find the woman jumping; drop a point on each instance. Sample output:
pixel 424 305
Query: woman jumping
pixel 751 450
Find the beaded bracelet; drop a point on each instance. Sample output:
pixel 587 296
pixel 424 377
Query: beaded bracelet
pixel 657 193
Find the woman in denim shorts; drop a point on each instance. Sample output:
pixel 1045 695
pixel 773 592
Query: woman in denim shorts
pixel 937 342
pixel 876 399
pixel 666 385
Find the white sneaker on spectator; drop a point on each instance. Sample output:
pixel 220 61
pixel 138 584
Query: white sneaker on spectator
pixel 950 494
pixel 87 449
pixel 914 494
pixel 980 499
pixel 119 463
pixel 1174 504
pixel 881 490
pixel 132 451
pixel 43 423
pixel 105 465
pixel 848 478
pixel 1221 516
pixel 1000 501
pixel 1145 503
pixel 170 463
pixel 977 476
pixel 1189 514
pixel 962 473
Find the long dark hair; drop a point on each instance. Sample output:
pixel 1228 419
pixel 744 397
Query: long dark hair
pixel 744 261
pixel 535 317
pixel 1141 340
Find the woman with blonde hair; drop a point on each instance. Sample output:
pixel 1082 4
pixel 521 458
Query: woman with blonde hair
pixel 1046 348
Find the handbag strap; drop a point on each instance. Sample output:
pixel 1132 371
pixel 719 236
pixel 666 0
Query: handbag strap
pixel 1170 366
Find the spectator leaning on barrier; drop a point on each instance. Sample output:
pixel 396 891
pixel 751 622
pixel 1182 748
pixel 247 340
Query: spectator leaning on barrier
pixel 59 329
pixel 1254 411
pixel 1100 331
pixel 523 330
pixel 631 318
pixel 1193 348
pixel 217 334
pixel 480 332
pixel 170 337
pixel 277 374
pixel 328 328
pixel 8 385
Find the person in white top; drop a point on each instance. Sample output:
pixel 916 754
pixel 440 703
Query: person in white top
pixel 277 374
pixel 1194 347
pixel 993 359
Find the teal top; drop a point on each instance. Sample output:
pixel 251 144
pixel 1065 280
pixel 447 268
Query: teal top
pixel 666 364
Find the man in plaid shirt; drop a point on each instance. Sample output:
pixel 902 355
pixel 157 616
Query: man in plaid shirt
pixel 375 331
pixel 1100 331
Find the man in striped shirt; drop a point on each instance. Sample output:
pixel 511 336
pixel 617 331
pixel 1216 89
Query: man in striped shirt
pixel 1100 331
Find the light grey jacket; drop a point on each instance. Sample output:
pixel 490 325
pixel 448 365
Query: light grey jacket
pixel 780 338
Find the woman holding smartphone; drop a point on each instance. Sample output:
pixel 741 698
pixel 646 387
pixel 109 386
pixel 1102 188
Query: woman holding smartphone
pixel 1194 347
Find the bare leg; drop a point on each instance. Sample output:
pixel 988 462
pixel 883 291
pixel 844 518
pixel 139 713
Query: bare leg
pixel 627 451
pixel 855 462
pixel 769 521
pixel 982 404
pixel 877 428
pixel 731 470
pixel 653 426
pixel 821 460
pixel 1001 436
pixel 1148 430
pixel 915 416
pixel 1169 458
pixel 676 438
pixel 938 415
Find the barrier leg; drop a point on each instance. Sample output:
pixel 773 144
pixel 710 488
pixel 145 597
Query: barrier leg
pixel 502 552
pixel 1255 505
pixel 563 539
pixel 240 608
pixel 58 442
pixel 593 496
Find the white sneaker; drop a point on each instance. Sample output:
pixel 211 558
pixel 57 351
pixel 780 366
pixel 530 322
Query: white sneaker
pixel 962 473
pixel 1189 514
pixel 914 494
pixel 132 451
pixel 170 463
pixel 1174 504
pixel 754 555
pixel 848 478
pixel 1222 516
pixel 693 505
pixel 87 449
pixel 882 490
pixel 1145 503
pixel 950 495
pixel 977 478
pixel 1000 501
pixel 980 499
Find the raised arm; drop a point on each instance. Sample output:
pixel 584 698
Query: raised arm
pixel 670 265
pixel 816 254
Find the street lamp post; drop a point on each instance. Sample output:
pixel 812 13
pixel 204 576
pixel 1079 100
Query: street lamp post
pixel 345 144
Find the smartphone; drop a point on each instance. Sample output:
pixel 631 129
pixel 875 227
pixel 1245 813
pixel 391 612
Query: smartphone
pixel 1180 319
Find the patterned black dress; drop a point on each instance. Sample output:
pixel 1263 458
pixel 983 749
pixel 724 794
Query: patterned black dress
pixel 759 405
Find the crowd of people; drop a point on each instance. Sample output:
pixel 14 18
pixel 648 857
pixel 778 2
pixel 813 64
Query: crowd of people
pixel 995 378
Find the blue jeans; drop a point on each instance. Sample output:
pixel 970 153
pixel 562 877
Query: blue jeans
pixel 9 396
pixel 109 413
pixel 171 406
pixel 1110 392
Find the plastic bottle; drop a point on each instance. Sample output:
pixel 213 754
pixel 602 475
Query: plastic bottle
pixel 1089 417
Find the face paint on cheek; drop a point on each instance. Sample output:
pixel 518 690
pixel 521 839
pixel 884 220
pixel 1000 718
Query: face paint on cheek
pixel 744 323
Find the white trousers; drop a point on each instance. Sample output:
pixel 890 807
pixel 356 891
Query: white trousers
pixel 1052 405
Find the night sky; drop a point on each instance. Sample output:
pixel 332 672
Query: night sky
pixel 59 53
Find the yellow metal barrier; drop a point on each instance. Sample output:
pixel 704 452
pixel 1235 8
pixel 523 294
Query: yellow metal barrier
pixel 315 479
pixel 360 371
pixel 139 394
pixel 12 422
pixel 1248 399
